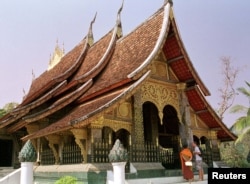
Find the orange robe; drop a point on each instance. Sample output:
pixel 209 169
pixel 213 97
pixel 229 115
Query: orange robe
pixel 187 171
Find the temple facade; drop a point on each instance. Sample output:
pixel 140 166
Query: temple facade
pixel 140 88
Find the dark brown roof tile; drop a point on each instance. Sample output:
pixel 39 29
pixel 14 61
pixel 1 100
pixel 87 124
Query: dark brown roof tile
pixel 45 80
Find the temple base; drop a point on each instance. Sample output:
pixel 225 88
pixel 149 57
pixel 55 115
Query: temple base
pixel 97 173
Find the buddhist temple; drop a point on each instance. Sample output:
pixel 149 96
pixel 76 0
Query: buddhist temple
pixel 140 88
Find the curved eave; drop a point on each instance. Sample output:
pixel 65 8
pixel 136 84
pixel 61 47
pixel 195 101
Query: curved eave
pixel 69 86
pixel 61 103
pixel 123 95
pixel 23 110
pixel 207 114
pixel 58 78
pixel 103 91
pixel 75 66
pixel 10 119
pixel 130 52
pixel 41 100
pixel 179 60
pixel 93 64
pixel 163 34
pixel 103 61
pixel 79 116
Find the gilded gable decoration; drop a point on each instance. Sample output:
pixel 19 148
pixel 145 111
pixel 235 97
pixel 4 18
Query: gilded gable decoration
pixel 161 94
pixel 159 69
pixel 124 110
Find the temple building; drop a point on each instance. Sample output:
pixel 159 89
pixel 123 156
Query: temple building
pixel 140 88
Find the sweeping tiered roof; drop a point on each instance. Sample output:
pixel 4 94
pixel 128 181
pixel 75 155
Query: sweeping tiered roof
pixel 93 77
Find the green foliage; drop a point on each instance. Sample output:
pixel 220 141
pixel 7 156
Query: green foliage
pixel 10 106
pixel 66 180
pixel 2 112
pixel 235 155
pixel 7 108
pixel 242 126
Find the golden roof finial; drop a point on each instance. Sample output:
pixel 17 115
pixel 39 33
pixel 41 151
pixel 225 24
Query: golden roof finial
pixel 118 20
pixel 63 50
pixel 168 1
pixel 57 55
pixel 90 33
pixel 33 75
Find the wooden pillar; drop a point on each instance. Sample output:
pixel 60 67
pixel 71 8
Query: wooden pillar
pixel 81 140
pixel 95 133
pixel 214 145
pixel 186 134
pixel 54 144
pixel 137 134
pixel 213 139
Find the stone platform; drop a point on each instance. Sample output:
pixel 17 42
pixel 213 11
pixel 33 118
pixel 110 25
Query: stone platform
pixel 101 173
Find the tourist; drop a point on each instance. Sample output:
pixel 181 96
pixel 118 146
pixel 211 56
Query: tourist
pixel 198 160
pixel 186 163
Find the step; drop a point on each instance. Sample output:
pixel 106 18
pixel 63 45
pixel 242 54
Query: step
pixel 220 164
pixel 166 180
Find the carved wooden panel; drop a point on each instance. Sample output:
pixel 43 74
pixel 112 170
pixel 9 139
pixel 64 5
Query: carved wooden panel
pixel 161 94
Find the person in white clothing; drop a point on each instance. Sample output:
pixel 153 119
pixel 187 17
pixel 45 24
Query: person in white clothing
pixel 198 160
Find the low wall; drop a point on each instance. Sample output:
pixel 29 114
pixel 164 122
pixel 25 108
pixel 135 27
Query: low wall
pixel 12 178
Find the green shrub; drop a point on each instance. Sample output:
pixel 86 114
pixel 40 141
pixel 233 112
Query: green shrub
pixel 66 180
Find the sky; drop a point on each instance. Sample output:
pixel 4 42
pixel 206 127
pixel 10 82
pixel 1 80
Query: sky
pixel 210 29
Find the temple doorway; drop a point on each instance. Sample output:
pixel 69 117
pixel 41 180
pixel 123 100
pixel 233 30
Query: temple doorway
pixel 168 132
pixel 123 135
pixel 150 122
pixel 6 146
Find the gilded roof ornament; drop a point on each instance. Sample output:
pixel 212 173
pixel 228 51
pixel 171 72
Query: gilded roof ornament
pixel 90 33
pixel 168 1
pixel 56 57
pixel 118 21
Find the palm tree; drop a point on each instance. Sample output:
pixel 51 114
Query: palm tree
pixel 242 126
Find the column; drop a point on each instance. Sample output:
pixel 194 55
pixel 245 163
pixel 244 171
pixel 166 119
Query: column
pixel 186 134
pixel 119 172
pixel 26 173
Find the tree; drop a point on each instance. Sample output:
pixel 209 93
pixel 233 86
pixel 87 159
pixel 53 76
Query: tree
pixel 2 112
pixel 237 154
pixel 10 106
pixel 7 108
pixel 234 155
pixel 227 91
pixel 242 126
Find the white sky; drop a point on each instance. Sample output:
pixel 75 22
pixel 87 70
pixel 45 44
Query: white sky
pixel 209 29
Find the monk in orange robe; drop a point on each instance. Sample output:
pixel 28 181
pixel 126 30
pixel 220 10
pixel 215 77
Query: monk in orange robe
pixel 187 171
